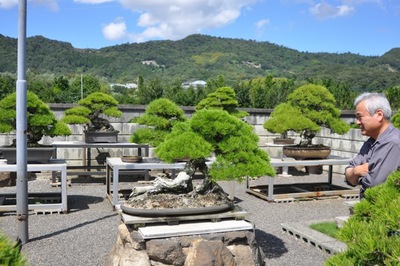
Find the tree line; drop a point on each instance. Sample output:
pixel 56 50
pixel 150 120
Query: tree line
pixel 262 92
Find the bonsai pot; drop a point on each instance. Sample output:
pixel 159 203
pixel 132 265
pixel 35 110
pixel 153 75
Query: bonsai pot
pixel 307 152
pixel 175 212
pixel 283 141
pixel 35 154
pixel 101 136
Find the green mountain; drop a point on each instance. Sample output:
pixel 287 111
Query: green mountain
pixel 202 57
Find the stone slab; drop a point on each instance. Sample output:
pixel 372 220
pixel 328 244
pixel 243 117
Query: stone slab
pixel 323 242
pixel 195 228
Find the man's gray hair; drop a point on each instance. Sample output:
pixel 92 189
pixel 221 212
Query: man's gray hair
pixel 375 102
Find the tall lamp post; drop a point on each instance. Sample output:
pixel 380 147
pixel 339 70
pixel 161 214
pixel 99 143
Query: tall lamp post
pixel 21 127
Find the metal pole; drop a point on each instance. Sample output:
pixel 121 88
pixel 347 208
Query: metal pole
pixel 21 127
pixel 81 87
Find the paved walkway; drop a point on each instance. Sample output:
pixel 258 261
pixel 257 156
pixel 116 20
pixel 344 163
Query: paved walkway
pixel 87 233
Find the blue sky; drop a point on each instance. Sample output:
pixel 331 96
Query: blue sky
pixel 366 27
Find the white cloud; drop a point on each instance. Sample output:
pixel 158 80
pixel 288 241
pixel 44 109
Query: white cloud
pixel 92 1
pixel 6 4
pixel 324 10
pixel 115 30
pixel 51 4
pixel 262 23
pixel 260 26
pixel 175 19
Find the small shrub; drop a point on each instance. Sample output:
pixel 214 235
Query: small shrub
pixel 372 233
pixel 9 253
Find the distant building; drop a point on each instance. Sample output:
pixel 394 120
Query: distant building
pixel 194 84
pixel 126 85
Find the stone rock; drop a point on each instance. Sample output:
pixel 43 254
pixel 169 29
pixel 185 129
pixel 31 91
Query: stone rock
pixel 204 253
pixel 237 248
pixel 121 256
pixel 166 251
pixel 242 255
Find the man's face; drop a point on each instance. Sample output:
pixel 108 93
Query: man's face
pixel 369 124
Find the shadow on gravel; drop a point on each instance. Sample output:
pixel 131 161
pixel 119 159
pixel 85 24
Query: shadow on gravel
pixel 272 246
pixel 66 230
pixel 82 202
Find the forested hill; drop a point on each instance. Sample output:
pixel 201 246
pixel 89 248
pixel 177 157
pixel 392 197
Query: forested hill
pixel 202 57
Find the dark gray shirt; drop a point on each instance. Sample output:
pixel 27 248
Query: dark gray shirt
pixel 382 156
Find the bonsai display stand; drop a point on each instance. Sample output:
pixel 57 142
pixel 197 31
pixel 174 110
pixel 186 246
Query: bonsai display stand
pixel 290 192
pixel 44 202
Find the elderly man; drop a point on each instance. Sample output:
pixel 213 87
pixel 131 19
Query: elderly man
pixel 380 154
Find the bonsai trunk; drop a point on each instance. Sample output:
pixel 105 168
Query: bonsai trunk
pixel 307 137
pixel 182 183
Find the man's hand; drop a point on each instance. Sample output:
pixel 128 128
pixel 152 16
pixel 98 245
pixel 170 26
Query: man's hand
pixel 353 174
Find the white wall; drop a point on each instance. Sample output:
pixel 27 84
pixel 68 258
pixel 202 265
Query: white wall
pixel 346 145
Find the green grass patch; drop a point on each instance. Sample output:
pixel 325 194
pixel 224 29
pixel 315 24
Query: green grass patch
pixel 327 228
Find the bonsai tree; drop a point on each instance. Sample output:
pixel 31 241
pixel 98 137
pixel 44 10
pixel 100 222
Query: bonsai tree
pixel 311 107
pixel 212 133
pixel 395 119
pixel 282 120
pixel 160 116
pixel 89 110
pixel 40 119
pixel 372 233
pixel 224 98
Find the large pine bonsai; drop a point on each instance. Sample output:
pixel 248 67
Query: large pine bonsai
pixel 40 119
pixel 216 133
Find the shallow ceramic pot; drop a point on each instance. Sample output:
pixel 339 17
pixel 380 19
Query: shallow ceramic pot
pixel 35 154
pixel 304 153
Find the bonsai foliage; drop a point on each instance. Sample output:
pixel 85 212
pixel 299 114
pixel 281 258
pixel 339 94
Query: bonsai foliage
pixel 317 104
pixel 287 118
pixel 89 110
pixel 396 119
pixel 40 119
pixel 372 233
pixel 224 98
pixel 160 116
pixel 9 253
pixel 216 132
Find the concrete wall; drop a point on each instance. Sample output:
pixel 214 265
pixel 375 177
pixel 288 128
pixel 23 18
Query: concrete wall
pixel 346 145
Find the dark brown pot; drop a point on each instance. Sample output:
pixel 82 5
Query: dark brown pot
pixel 307 152
pixel 101 136
pixel 175 212
pixel 284 141
pixel 35 155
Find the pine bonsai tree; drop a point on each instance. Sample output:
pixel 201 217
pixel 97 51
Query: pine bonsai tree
pixel 216 132
pixel 40 119
pixel 281 120
pixel 160 116
pixel 372 233
pixel 311 107
pixel 224 98
pixel 89 110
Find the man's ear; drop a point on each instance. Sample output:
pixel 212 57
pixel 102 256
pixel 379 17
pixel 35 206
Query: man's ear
pixel 380 114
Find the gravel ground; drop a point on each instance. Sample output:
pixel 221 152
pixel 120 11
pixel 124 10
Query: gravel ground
pixel 86 234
